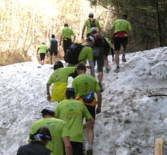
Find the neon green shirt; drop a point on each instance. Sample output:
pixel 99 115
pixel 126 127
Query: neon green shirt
pixel 67 32
pixel 73 112
pixel 85 54
pixel 88 26
pixel 121 25
pixel 85 83
pixel 42 48
pixel 60 78
pixel 58 130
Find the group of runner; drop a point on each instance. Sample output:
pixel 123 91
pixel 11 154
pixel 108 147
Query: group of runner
pixel 60 131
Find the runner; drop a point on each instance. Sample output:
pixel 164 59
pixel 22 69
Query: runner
pixel 42 50
pixel 86 54
pixel 89 23
pixel 59 79
pixel 37 145
pixel 119 33
pixel 85 87
pixel 53 47
pixel 66 36
pixel 58 130
pixel 73 112
pixel 99 53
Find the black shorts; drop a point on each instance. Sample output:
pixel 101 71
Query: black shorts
pixel 92 109
pixel 77 148
pixel 100 63
pixel 53 52
pixel 66 44
pixel 120 41
pixel 42 56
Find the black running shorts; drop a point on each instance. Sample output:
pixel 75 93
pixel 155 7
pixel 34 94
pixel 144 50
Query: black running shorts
pixel 100 63
pixel 42 56
pixel 91 109
pixel 66 44
pixel 77 148
pixel 118 42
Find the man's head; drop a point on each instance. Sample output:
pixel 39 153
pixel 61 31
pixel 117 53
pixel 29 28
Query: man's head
pixel 43 43
pixel 65 25
pixel 81 69
pixel 90 40
pixel 52 36
pixel 42 135
pixel 91 15
pixel 48 112
pixel 58 64
pixel 124 16
pixel 70 93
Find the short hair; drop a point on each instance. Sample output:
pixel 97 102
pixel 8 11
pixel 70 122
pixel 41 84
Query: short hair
pixel 124 16
pixel 65 25
pixel 58 64
pixel 52 36
pixel 48 111
pixel 81 67
pixel 70 93
pixel 91 15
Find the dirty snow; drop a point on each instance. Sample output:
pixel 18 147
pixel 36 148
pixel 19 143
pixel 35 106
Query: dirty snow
pixel 129 122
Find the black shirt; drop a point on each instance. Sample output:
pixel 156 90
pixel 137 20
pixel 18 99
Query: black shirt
pixel 33 148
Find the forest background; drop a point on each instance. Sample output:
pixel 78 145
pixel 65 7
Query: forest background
pixel 25 24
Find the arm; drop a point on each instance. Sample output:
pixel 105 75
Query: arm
pixel 37 50
pixel 92 68
pixel 83 30
pixel 48 92
pixel 99 99
pixel 74 37
pixel 67 145
pixel 61 37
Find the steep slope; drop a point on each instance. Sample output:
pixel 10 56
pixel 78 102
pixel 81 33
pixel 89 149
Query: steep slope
pixel 129 122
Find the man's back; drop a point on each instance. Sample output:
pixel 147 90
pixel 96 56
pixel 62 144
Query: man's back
pixel 57 129
pixel 121 25
pixel 73 112
pixel 85 83
pixel 53 44
pixel 33 148
pixel 67 33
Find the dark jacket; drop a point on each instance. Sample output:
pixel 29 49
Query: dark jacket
pixel 33 148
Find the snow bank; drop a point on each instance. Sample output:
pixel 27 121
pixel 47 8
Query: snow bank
pixel 129 122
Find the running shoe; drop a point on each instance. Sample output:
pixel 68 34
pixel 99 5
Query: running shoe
pixel 89 152
pixel 117 70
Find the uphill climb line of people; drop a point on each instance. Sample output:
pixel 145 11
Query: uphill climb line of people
pixel 60 130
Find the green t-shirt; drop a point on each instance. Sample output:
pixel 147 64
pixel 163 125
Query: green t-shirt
pixel 42 49
pixel 121 25
pixel 73 112
pixel 85 54
pixel 67 32
pixel 61 75
pixel 58 130
pixel 60 78
pixel 85 83
pixel 88 25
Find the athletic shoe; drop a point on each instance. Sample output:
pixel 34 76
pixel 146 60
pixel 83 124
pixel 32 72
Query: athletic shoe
pixel 123 58
pixel 107 69
pixel 117 70
pixel 89 152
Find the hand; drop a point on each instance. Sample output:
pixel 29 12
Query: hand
pixel 49 98
pixel 98 110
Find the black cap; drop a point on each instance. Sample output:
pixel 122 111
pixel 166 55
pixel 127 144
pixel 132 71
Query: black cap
pixel 91 15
